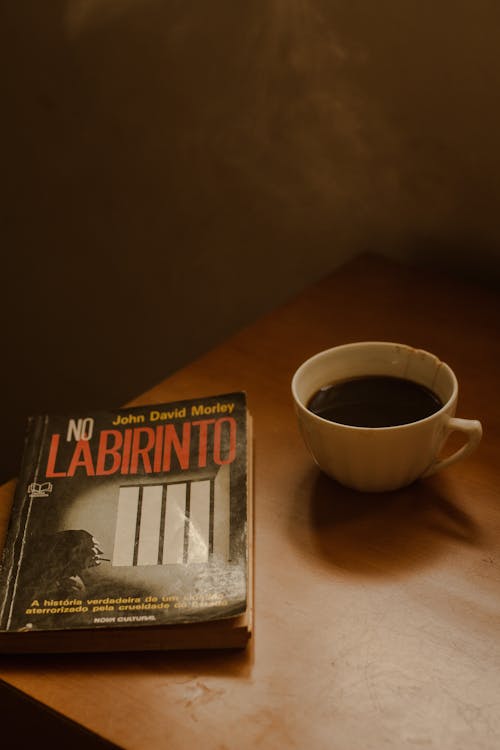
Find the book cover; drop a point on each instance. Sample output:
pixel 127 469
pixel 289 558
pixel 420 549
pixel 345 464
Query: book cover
pixel 131 518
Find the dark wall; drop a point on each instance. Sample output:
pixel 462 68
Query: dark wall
pixel 173 169
pixel 24 719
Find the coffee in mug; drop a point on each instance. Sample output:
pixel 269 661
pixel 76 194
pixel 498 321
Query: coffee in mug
pixel 374 401
pixel 375 415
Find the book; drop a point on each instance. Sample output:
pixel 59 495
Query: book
pixel 131 529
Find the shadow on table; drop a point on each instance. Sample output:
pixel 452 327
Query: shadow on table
pixel 184 665
pixel 378 534
pixel 181 666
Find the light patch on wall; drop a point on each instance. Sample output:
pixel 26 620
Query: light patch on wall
pixel 301 103
pixel 83 14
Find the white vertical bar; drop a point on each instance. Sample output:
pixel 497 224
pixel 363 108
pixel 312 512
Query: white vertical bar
pixel 199 522
pixel 149 532
pixel 221 513
pixel 126 522
pixel 175 521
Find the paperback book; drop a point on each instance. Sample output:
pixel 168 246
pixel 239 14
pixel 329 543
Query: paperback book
pixel 132 530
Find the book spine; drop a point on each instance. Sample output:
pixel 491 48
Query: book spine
pixel 21 506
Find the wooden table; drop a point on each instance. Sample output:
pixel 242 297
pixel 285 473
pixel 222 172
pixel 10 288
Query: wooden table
pixel 377 617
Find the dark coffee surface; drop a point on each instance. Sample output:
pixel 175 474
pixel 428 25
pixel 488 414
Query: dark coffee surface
pixel 374 401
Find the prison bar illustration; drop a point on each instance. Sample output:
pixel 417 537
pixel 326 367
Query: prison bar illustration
pixel 173 523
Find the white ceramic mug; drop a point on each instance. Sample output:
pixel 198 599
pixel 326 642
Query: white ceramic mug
pixel 382 458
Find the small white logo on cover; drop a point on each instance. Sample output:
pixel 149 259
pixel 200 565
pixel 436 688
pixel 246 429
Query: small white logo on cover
pixel 40 490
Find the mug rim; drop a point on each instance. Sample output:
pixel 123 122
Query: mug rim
pixel 358 344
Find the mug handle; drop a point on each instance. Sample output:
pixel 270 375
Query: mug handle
pixel 473 430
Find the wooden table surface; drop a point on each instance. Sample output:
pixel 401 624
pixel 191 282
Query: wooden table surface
pixel 377 616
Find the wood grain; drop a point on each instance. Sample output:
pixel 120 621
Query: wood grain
pixel 377 616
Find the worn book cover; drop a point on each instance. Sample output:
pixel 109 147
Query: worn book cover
pixel 127 520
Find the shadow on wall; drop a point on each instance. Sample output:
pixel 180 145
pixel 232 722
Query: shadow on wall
pixel 175 169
